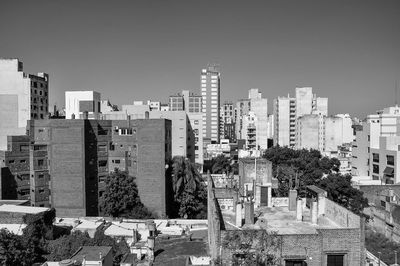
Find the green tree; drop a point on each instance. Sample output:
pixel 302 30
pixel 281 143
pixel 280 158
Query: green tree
pixel 64 247
pixel 252 247
pixel 340 190
pixel 189 191
pixel 313 169
pixel 121 197
pixel 223 165
pixel 377 242
pixel 13 250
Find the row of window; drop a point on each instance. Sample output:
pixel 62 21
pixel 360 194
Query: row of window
pixel 36 84
pixel 41 93
pixel 389 159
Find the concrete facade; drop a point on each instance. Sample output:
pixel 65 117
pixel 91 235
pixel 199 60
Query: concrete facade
pixel 22 97
pixel 78 102
pixel 338 130
pixel 288 109
pixel 310 132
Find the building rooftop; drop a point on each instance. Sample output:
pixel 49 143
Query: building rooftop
pixel 14 202
pixel 284 222
pixel 22 209
pixel 91 253
pixel 16 229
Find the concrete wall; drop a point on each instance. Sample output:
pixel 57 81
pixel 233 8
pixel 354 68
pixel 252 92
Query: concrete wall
pixel 341 215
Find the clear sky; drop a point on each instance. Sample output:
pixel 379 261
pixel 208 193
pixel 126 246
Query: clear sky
pixel 348 51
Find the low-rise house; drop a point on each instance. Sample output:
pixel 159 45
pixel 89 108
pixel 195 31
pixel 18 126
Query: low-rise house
pixel 317 232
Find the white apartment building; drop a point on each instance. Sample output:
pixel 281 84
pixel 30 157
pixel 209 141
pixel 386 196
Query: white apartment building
pixel 310 131
pixel 376 147
pixel 196 122
pixel 22 97
pixel 338 130
pixel 288 109
pixel 252 118
pixel 78 102
pixel 210 92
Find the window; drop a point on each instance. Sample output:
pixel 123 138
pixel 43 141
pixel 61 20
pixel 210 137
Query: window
pixel 375 157
pixel 40 147
pixel 383 203
pixel 102 148
pixel 41 176
pixel 196 122
pixel 295 263
pixel 116 161
pixel 22 161
pixel 102 163
pixel 24 148
pixel 41 190
pixel 375 169
pixel 335 260
pixel 390 159
pixel 11 162
pixel 40 162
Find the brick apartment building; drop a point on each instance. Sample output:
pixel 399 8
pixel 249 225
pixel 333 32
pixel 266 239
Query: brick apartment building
pixel 24 172
pixel 66 162
pixel 325 234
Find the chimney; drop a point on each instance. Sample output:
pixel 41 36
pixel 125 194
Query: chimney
pixel 299 210
pixel 239 214
pixel 314 212
pixel 292 199
pixel 150 247
pixel 249 212
pixel 85 115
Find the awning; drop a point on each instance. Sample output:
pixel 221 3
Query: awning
pixel 388 171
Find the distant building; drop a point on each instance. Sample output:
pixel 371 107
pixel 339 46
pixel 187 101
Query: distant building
pixel 288 109
pixel 183 139
pixel 210 92
pixel 227 117
pixel 79 102
pixel 81 153
pixel 22 97
pixel 252 118
pixel 375 149
pixel 310 132
pixel 338 131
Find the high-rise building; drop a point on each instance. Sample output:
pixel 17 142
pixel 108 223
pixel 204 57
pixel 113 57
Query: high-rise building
pixel 227 120
pixel 210 92
pixel 288 109
pixel 252 114
pixel 79 102
pixel 22 97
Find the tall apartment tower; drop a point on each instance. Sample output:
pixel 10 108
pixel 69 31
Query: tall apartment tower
pixel 288 109
pixel 227 120
pixel 210 92
pixel 22 97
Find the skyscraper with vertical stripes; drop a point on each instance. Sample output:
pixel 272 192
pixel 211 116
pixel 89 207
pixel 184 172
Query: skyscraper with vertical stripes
pixel 210 92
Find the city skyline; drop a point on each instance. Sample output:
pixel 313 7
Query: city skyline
pixel 138 51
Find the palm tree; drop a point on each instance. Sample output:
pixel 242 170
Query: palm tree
pixel 185 176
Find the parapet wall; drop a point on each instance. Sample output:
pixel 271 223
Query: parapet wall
pixel 341 215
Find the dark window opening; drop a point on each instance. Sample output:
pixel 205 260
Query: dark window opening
pixel 102 163
pixel 335 260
